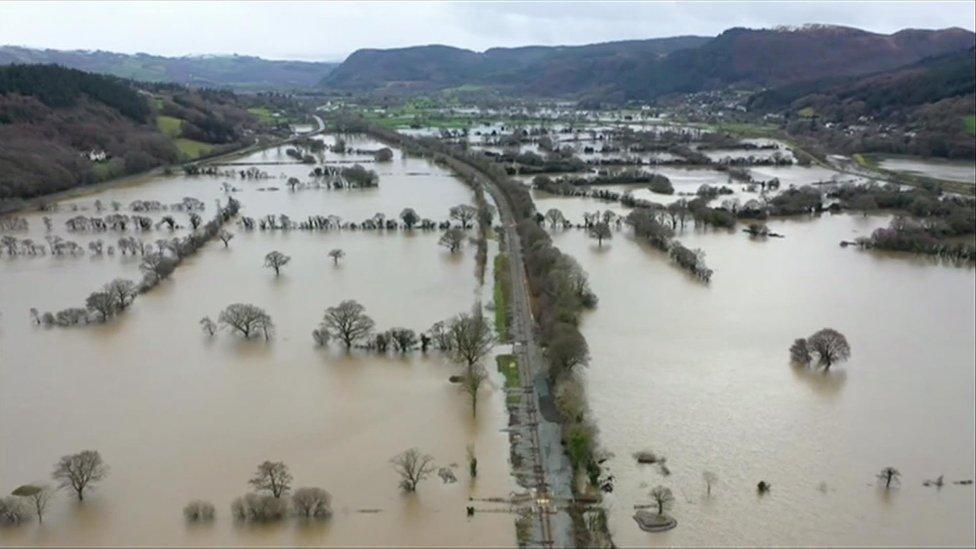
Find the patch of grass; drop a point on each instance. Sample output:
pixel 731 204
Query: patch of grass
pixel 508 366
pixel 263 114
pixel 192 149
pixel 970 122
pixel 806 112
pixel 502 285
pixel 170 126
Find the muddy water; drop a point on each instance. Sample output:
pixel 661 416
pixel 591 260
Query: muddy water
pixel 951 170
pixel 179 416
pixel 700 374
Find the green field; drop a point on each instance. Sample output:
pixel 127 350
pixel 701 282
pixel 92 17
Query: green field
pixel 192 149
pixel 263 114
pixel 169 126
pixel 970 122
pixel 501 296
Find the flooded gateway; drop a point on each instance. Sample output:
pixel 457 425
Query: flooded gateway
pixel 179 416
pixel 700 375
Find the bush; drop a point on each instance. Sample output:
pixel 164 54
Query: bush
pixel 259 508
pixel 13 511
pixel 312 503
pixel 199 511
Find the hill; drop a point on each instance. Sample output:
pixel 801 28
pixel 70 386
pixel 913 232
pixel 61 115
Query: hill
pixel 62 127
pixel 538 69
pixel 645 69
pixel 213 71
pixel 933 99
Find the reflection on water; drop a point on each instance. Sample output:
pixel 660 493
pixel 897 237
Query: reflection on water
pixel 701 374
pixel 179 416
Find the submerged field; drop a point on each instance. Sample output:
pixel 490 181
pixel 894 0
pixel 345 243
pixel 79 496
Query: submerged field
pixel 696 372
pixel 179 416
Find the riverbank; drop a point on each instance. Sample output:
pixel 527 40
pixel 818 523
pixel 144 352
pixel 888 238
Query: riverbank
pixel 18 205
pixel 38 202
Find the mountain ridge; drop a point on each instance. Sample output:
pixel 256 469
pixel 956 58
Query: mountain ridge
pixel 235 71
pixel 646 69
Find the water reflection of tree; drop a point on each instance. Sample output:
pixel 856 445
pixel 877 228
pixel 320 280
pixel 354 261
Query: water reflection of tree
pixel 826 383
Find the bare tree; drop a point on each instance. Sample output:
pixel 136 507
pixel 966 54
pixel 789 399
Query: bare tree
pixel 567 350
pixel 101 302
pixel 554 217
pixel 601 231
pixel 464 214
pixel 272 476
pixel 38 495
pixel 471 383
pixel 276 260
pixel 246 319
pixel 404 339
pixel 471 338
pixel 711 479
pixel 336 254
pixel 225 237
pixel 800 352
pixel 208 326
pixel 829 346
pixel 348 321
pixel 312 503
pixel 663 498
pixel 452 239
pixel 79 470
pixel 122 291
pixel 157 266
pixel 889 475
pixel 413 467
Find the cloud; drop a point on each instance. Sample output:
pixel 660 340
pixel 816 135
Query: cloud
pixel 332 30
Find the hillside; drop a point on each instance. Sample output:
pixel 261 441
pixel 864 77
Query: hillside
pixel 538 69
pixel 647 69
pixel 214 71
pixel 52 118
pixel 885 94
pixel 933 99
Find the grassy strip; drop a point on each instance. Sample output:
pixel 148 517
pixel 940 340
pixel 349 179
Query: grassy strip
pixel 970 122
pixel 508 366
pixel 502 289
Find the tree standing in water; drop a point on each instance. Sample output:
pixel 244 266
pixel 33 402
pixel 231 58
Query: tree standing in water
pixel 80 470
pixel 276 260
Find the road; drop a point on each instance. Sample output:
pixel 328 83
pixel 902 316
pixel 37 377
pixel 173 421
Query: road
pixel 551 473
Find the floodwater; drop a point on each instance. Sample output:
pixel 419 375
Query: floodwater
pixel 950 170
pixel 700 374
pixel 179 416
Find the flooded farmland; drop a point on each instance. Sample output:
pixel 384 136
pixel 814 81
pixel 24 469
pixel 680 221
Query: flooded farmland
pixel 949 170
pixel 700 374
pixel 179 416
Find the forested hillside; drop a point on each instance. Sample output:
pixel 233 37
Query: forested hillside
pixel 644 70
pixel 62 127
pixel 933 98
pixel 212 71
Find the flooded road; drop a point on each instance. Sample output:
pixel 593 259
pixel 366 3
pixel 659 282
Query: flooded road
pixel 179 416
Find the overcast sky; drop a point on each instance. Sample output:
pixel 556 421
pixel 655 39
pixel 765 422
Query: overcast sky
pixel 331 30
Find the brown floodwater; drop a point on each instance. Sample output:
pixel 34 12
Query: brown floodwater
pixel 700 374
pixel 179 416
